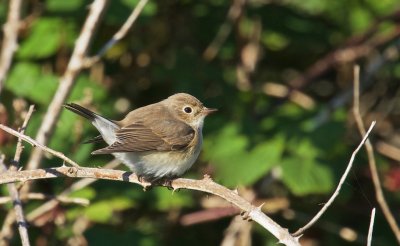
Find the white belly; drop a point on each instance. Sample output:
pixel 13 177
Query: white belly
pixel 159 164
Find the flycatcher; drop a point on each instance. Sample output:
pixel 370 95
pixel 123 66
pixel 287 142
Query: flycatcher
pixel 160 140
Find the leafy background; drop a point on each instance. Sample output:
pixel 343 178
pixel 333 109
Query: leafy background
pixel 276 146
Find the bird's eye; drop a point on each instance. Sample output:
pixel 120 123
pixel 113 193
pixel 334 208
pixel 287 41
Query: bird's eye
pixel 187 110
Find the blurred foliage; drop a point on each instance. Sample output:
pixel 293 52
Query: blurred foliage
pixel 260 139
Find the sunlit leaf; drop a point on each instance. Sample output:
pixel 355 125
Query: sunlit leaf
pixel 44 39
pixel 27 80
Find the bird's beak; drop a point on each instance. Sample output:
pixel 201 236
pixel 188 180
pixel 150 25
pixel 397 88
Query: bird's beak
pixel 208 111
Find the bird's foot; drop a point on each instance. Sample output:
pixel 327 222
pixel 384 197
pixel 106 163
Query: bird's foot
pixel 246 215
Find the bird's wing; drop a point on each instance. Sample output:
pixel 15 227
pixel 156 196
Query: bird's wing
pixel 97 139
pixel 159 134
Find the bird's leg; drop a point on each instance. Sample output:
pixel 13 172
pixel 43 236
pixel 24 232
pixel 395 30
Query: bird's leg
pixel 166 181
pixel 245 215
pixel 145 182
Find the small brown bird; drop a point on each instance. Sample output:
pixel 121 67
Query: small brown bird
pixel 160 140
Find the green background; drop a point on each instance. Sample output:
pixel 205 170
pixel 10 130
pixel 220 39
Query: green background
pixel 272 145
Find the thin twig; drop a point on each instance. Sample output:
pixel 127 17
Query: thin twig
pixel 237 233
pixel 205 185
pixel 336 193
pixel 67 81
pixel 49 205
pixel 37 144
pixel 346 54
pixel 15 163
pixel 19 212
pixel 22 225
pixel 371 158
pixel 7 232
pixel 10 44
pixel 118 35
pixel 371 227
pixel 41 196
pixel 233 15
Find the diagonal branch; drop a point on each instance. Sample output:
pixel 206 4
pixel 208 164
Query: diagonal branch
pixel 300 231
pixel 49 205
pixel 19 212
pixel 371 227
pixel 67 81
pixel 10 44
pixel 205 185
pixel 234 12
pixel 371 158
pixel 118 35
pixel 37 144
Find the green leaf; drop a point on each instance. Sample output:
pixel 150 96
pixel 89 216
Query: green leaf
pixel 167 200
pixel 99 212
pixel 63 6
pixel 305 177
pixel 86 87
pixel 236 163
pixel 87 192
pixel 102 211
pixel 44 39
pixel 274 40
pixel 149 10
pixel 360 19
pixel 27 80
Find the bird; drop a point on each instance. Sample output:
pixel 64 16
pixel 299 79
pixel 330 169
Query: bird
pixel 157 141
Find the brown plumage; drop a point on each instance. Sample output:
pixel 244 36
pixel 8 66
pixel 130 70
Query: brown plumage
pixel 161 139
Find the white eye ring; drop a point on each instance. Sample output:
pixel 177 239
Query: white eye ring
pixel 187 109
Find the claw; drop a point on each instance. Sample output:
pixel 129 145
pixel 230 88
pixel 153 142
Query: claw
pixel 246 216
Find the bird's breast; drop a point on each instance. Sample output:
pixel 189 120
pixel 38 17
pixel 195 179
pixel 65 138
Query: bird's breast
pixel 157 164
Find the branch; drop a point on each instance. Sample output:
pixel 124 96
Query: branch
pixel 19 212
pixel 49 205
pixel 118 35
pixel 10 44
pixel 234 12
pixel 41 196
pixel 371 227
pixel 67 81
pixel 300 231
pixel 37 144
pixel 15 163
pixel 205 185
pixel 371 158
pixel 347 54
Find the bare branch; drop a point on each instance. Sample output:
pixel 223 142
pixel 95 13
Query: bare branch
pixel 22 227
pixel 15 163
pixel 10 44
pixel 205 185
pixel 37 144
pixel 19 213
pixel 7 231
pixel 237 233
pixel 41 196
pixel 371 227
pixel 118 35
pixel 49 205
pixel 67 81
pixel 233 15
pixel 371 158
pixel 336 193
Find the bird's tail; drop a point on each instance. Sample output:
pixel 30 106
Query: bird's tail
pixel 105 126
pixel 84 112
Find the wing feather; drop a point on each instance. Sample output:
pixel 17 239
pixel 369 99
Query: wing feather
pixel 160 134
